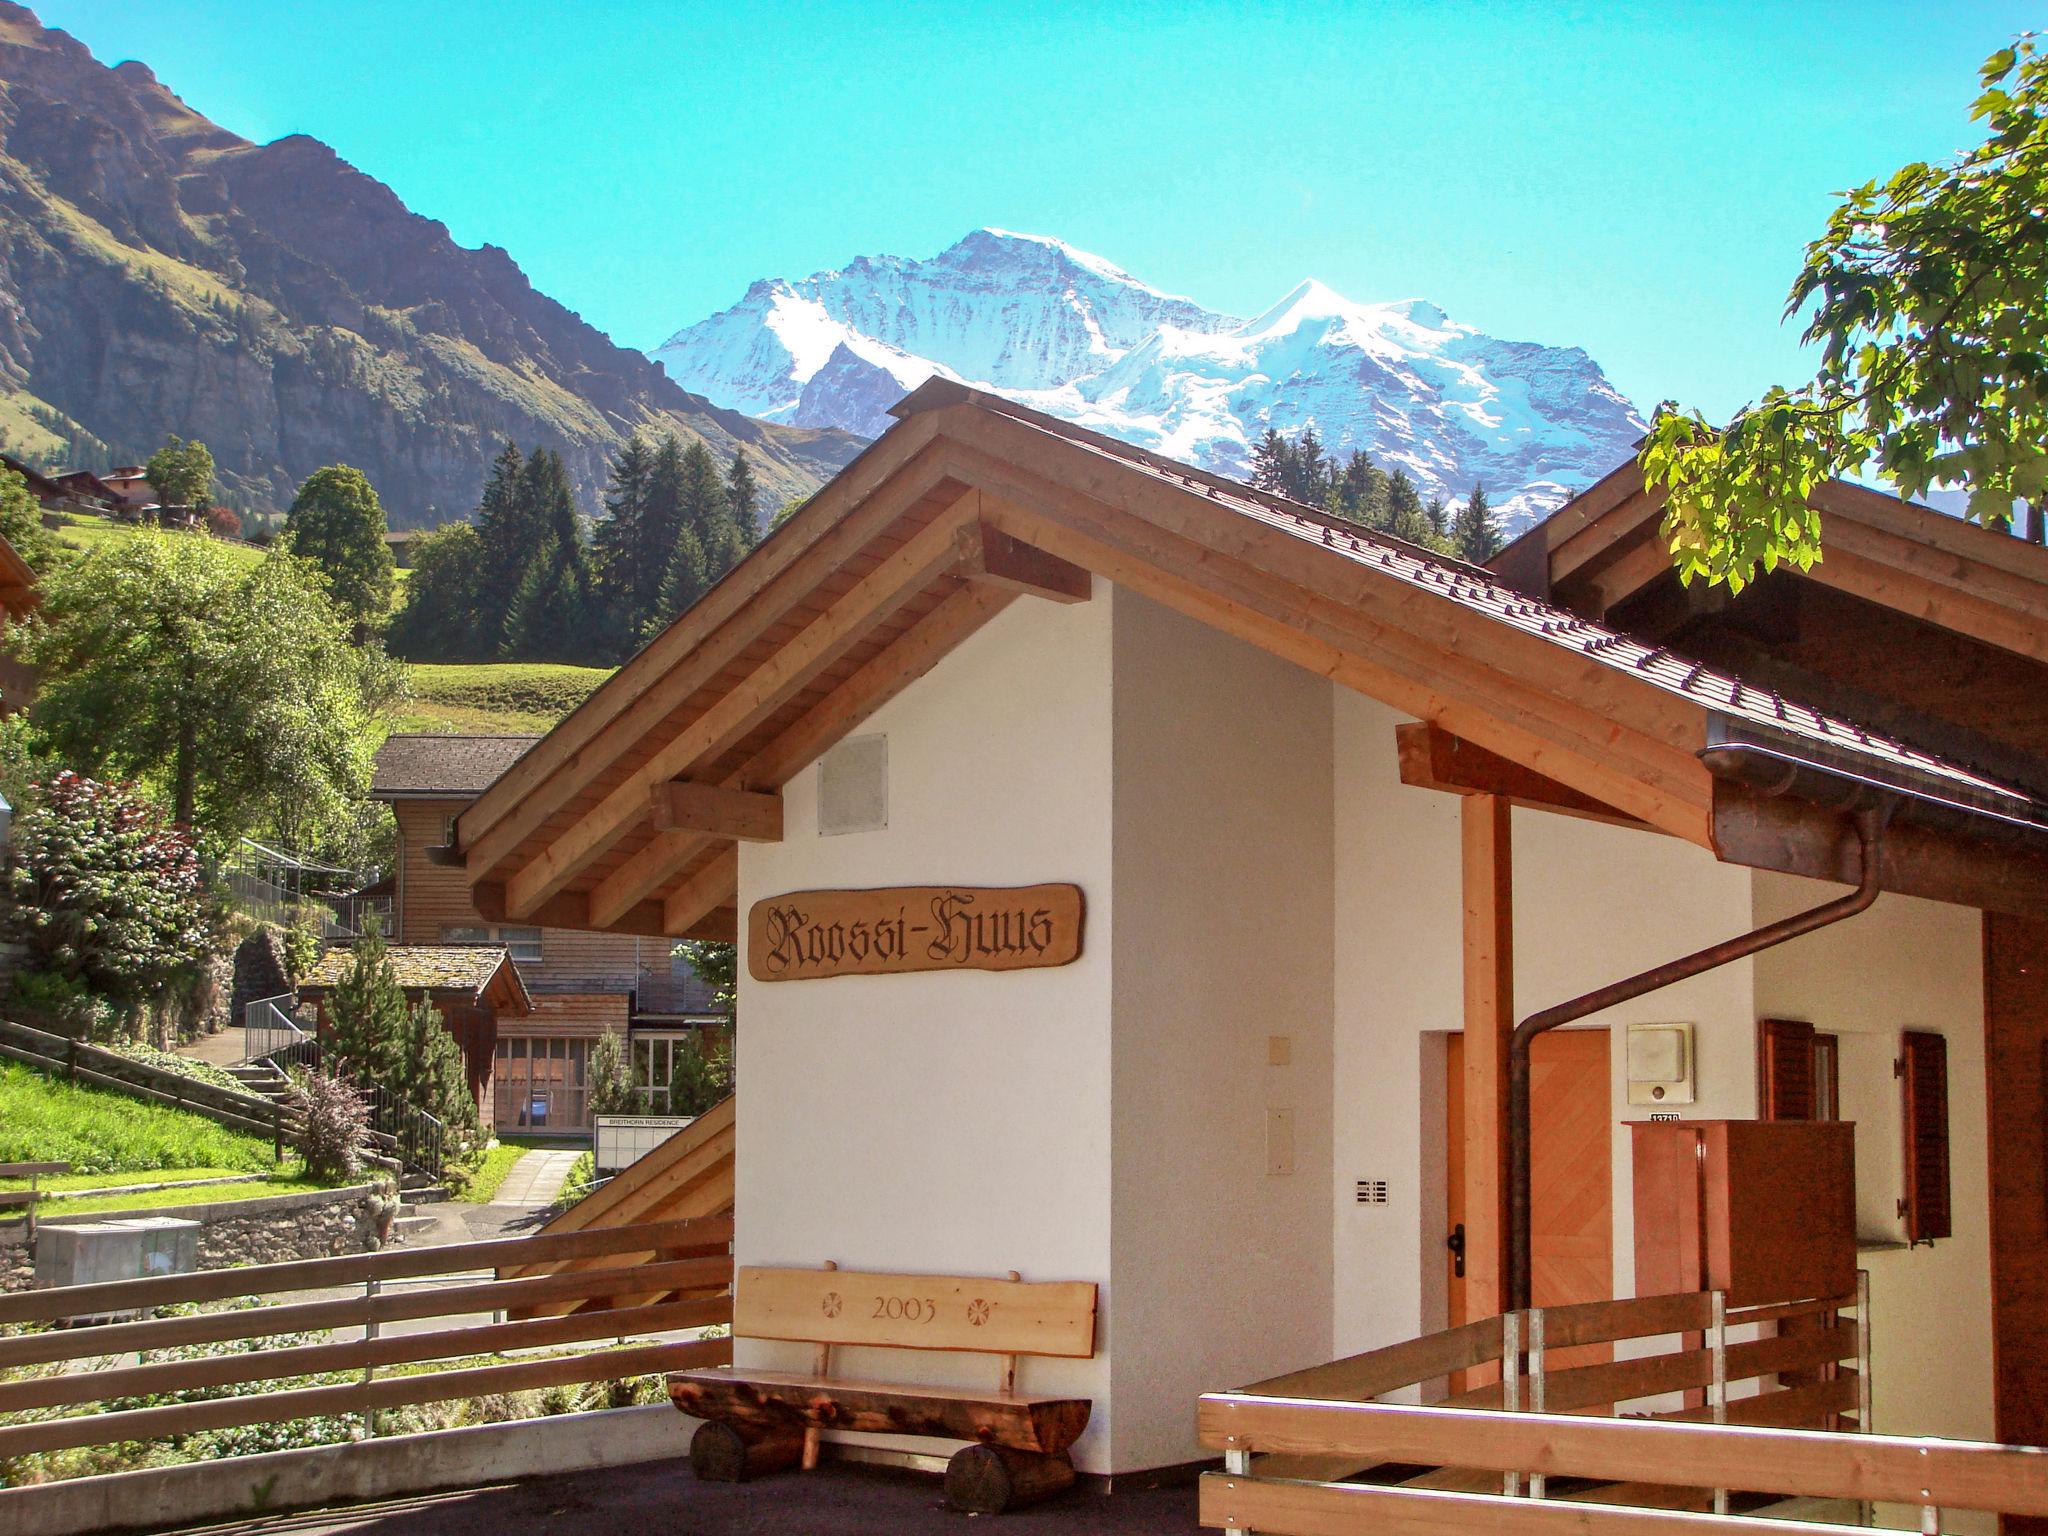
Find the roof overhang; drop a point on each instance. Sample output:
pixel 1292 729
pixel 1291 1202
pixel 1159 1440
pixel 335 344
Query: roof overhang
pixel 972 503
pixel 1606 545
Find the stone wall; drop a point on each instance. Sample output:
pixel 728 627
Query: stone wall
pixel 267 1231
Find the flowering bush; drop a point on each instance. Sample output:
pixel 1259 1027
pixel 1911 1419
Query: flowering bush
pixel 222 523
pixel 104 892
pixel 337 1125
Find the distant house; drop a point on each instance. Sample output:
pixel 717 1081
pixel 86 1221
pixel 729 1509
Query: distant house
pixel 88 492
pixel 475 988
pixel 130 489
pixel 50 493
pixel 18 596
pixel 400 545
pixel 582 984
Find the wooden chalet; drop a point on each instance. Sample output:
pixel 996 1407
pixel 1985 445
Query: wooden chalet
pixel 476 989
pixel 1139 880
pixel 581 984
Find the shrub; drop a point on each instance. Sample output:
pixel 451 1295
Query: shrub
pixel 337 1125
pixel 62 1005
pixel 699 1078
pixel 104 891
pixel 222 523
pixel 611 1089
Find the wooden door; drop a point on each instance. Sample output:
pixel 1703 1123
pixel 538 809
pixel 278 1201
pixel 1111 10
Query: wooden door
pixel 1572 1172
pixel 2016 1066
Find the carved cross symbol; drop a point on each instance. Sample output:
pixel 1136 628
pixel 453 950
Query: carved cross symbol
pixel 978 1312
pixel 831 1303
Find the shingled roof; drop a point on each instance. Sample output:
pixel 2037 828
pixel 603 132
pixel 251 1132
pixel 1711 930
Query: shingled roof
pixel 470 972
pixel 443 767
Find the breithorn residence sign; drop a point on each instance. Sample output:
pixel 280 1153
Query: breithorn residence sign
pixel 808 935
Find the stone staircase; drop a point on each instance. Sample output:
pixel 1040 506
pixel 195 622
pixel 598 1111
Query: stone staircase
pixel 260 1077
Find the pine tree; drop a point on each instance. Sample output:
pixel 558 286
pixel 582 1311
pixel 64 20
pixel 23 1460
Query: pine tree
pixel 1474 535
pixel 506 530
pixel 1359 494
pixel 687 578
pixel 617 547
pixel 366 1013
pixel 743 498
pixel 663 522
pixel 433 1074
pixel 1406 516
pixel 1439 514
pixel 549 616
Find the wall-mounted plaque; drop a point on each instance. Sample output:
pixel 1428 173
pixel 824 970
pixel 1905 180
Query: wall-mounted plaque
pixel 807 935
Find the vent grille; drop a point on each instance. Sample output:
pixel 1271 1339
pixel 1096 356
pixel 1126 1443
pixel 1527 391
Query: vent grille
pixel 853 786
pixel 1372 1191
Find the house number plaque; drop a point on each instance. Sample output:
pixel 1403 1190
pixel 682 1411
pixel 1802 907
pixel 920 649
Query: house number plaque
pixel 808 935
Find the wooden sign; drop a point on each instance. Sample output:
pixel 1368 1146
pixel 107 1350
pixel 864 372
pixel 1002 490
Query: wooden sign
pixel 807 935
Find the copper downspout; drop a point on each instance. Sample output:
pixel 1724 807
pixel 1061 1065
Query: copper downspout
pixel 1870 826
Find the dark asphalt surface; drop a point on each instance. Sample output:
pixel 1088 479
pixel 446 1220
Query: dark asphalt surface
pixel 663 1499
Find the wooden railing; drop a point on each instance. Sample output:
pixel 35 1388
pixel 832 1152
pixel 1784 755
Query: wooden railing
pixel 1936 1475
pixel 1307 1454
pixel 64 1408
pixel 26 1200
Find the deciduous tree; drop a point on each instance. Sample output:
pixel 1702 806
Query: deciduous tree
pixel 337 522
pixel 1928 298
pixel 181 474
pixel 232 690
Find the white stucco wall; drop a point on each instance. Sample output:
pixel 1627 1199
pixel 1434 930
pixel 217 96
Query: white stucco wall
pixel 1253 868
pixel 1223 934
pixel 1593 903
pixel 1904 964
pixel 955 1122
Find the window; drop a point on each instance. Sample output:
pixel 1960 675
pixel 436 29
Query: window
pixel 1923 1075
pixel 1798 1070
pixel 447 831
pixel 521 943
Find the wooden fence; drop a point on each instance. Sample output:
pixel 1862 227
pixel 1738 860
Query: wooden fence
pixel 1308 1454
pixel 689 1262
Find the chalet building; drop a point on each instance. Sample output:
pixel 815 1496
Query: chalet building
pixel 475 988
pixel 86 491
pixel 580 984
pixel 1141 879
pixel 58 493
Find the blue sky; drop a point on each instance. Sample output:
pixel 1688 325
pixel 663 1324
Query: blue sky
pixel 1638 180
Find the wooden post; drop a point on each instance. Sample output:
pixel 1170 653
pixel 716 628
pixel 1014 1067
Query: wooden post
pixel 821 1365
pixel 1489 921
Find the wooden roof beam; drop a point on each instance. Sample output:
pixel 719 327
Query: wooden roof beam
pixel 912 654
pixel 1434 758
pixel 703 893
pixel 927 554
pixel 1002 561
pixel 754 596
pixel 750 816
pixel 1628 743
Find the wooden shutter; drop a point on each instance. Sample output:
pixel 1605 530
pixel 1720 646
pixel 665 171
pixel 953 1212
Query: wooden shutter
pixel 1784 1069
pixel 1923 1071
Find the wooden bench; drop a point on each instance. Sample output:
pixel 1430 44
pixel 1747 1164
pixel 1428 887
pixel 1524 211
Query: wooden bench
pixel 764 1421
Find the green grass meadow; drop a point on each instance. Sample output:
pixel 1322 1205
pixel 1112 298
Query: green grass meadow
pixel 491 698
pixel 48 1120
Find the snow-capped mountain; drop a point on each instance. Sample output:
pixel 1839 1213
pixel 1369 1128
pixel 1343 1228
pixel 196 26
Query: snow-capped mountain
pixel 1071 334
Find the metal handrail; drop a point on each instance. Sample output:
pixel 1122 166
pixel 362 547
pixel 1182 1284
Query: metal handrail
pixel 267 1028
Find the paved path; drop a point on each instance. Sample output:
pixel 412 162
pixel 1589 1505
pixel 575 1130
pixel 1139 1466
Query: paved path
pixel 537 1178
pixel 662 1499
pixel 224 1049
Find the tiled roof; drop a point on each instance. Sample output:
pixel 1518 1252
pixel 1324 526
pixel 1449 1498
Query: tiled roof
pixel 454 766
pixel 462 968
pixel 1761 711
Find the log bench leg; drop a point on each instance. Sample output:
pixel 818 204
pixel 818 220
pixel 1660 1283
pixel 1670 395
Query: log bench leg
pixel 720 1454
pixel 988 1479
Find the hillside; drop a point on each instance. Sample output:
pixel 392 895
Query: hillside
pixel 1076 336
pixel 160 274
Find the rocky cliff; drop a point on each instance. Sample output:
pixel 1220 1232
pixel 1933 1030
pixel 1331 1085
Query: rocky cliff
pixel 159 274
